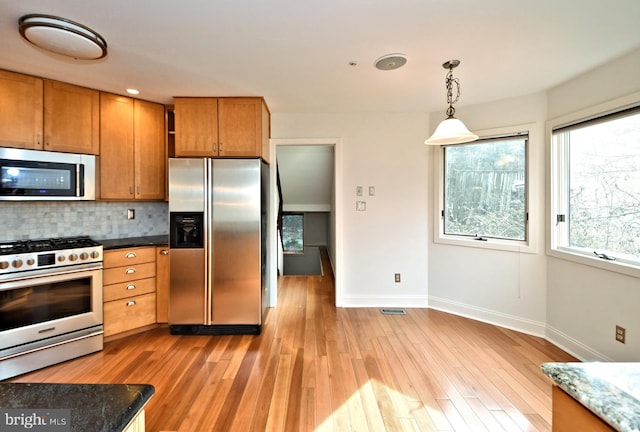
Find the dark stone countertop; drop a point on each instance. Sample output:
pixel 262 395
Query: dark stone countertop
pixel 609 390
pixel 119 243
pixel 91 407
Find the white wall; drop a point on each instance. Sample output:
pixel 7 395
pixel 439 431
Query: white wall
pixel 585 303
pixel 501 287
pixel 385 151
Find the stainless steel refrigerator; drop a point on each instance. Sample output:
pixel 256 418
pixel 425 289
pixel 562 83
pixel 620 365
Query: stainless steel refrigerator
pixel 217 240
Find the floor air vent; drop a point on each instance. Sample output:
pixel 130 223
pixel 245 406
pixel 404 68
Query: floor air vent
pixel 393 311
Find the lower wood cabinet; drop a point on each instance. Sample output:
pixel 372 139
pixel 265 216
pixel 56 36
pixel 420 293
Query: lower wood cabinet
pixel 569 415
pixel 129 292
pixel 162 284
pixel 137 424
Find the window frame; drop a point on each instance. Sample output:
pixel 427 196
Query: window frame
pixel 557 179
pixel 532 194
pixel 284 249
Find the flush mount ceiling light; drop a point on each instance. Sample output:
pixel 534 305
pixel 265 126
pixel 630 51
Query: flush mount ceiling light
pixel 451 130
pixel 62 36
pixel 391 61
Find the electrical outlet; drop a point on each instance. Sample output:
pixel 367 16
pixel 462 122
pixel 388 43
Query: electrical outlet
pixel 131 214
pixel 621 334
pixel 397 277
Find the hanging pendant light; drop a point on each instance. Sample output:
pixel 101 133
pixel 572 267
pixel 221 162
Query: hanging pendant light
pixel 451 130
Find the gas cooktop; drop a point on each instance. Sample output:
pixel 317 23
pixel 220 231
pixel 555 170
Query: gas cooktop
pixel 54 244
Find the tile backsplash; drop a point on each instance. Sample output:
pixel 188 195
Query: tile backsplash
pixel 98 220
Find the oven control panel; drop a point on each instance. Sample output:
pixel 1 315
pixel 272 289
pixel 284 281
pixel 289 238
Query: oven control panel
pixel 35 260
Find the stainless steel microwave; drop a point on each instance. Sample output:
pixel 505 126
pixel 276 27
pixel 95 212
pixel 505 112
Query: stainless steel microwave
pixel 32 175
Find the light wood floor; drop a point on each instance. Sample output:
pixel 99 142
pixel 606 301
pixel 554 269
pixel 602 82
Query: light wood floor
pixel 316 367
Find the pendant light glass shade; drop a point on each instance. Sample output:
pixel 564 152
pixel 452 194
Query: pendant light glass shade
pixel 451 131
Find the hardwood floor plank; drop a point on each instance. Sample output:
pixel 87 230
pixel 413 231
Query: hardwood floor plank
pixel 367 395
pixel 319 368
pixel 279 401
pixel 294 395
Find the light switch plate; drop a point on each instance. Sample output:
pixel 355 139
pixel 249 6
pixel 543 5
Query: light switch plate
pixel 361 206
pixel 372 190
pixel 358 190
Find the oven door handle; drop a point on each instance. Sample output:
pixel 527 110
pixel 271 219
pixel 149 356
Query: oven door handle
pixel 19 280
pixel 44 347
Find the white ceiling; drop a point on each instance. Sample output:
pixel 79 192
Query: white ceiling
pixel 297 53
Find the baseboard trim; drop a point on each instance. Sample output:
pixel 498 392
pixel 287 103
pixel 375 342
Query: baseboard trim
pixel 574 347
pixel 512 322
pixel 535 328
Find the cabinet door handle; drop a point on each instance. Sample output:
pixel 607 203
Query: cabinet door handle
pixel 131 255
pixel 220 148
pixel 130 270
pixel 38 139
pixel 164 252
pixel 131 286
pixel 131 303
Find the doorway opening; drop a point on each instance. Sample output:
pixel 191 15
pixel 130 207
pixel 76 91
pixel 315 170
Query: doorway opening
pixel 308 175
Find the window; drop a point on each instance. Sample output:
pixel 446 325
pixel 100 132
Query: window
pixel 596 204
pixel 293 232
pixel 485 192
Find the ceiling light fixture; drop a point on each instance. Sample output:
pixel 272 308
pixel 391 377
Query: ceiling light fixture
pixel 451 130
pixel 62 36
pixel 391 61
pixel 133 91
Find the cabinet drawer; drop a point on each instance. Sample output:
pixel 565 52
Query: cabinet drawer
pixel 129 313
pixel 128 256
pixel 127 289
pixel 128 273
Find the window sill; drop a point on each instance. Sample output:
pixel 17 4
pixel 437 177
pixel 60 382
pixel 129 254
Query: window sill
pixel 613 266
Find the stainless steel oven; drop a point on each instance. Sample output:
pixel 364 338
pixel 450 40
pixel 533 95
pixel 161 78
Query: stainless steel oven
pixel 50 303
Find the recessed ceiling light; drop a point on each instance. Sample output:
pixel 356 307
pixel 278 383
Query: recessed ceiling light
pixel 133 91
pixel 391 61
pixel 62 36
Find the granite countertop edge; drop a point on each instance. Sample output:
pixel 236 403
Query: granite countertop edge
pixel 100 407
pixel 126 242
pixel 594 391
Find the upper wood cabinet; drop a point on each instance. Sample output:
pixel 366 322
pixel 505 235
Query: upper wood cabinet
pixel 222 127
pixel 132 149
pixel 196 127
pixel 20 111
pixel 71 118
pixel 150 150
